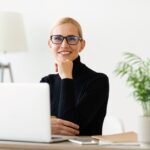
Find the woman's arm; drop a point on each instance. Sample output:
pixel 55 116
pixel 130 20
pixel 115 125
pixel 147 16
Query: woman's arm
pixel 91 107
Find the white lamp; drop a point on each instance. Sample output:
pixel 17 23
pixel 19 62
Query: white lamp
pixel 12 37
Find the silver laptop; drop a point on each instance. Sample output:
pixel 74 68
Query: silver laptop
pixel 25 112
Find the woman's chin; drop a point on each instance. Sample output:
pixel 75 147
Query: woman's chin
pixel 64 57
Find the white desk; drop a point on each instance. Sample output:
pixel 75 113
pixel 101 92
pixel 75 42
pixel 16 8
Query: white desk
pixel 62 146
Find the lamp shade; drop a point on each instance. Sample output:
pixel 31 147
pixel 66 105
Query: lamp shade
pixel 12 32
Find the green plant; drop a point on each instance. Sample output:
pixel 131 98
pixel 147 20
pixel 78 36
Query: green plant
pixel 137 73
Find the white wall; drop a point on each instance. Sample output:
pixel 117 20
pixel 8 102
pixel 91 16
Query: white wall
pixel 110 27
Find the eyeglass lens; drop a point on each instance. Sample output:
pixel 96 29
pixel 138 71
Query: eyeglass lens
pixel 71 39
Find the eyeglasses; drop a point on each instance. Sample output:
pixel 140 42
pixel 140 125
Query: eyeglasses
pixel 71 39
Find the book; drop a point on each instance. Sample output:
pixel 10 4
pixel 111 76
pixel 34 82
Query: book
pixel 121 137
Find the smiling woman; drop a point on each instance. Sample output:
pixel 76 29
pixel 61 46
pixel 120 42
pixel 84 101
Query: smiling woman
pixel 79 95
pixel 66 40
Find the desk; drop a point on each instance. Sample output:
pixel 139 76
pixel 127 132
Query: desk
pixel 61 146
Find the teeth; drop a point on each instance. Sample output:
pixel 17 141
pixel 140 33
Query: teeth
pixel 65 53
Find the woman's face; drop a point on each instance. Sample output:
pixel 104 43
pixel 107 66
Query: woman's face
pixel 64 50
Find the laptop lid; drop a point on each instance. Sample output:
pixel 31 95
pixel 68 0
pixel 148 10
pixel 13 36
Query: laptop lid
pixel 25 112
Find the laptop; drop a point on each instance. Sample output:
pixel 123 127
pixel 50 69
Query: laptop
pixel 25 113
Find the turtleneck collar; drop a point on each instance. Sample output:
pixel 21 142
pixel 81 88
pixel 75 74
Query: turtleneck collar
pixel 77 67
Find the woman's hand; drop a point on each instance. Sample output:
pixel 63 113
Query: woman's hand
pixel 63 127
pixel 64 68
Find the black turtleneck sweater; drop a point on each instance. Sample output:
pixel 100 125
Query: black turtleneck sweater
pixel 82 100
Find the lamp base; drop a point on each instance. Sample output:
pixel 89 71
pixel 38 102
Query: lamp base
pixel 2 69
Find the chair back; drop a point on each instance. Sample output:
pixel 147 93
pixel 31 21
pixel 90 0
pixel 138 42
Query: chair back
pixel 112 125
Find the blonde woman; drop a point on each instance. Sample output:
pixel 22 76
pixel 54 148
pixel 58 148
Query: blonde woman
pixel 79 95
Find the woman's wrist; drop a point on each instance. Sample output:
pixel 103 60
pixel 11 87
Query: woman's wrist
pixel 66 77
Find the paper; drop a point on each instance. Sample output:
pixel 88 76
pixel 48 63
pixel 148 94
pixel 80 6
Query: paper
pixel 106 143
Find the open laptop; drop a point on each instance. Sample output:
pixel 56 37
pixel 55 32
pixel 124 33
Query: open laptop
pixel 25 113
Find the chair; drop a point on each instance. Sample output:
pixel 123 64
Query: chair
pixel 112 125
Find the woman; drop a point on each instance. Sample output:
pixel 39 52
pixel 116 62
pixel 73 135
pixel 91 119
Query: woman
pixel 79 95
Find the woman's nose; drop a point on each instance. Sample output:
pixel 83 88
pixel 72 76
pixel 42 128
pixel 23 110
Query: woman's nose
pixel 64 43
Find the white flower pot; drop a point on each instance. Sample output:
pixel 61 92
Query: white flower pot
pixel 144 130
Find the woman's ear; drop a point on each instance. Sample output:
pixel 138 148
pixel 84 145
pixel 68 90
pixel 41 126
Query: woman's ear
pixel 49 44
pixel 82 45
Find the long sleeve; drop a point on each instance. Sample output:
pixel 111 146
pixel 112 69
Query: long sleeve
pixel 82 100
pixel 66 108
pixel 89 109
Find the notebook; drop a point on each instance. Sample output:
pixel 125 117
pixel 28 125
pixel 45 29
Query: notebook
pixel 120 137
pixel 25 113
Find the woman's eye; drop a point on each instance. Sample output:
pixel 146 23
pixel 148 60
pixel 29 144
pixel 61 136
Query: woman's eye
pixel 72 39
pixel 58 38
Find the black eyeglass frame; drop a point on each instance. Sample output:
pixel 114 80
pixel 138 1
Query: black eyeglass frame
pixel 66 37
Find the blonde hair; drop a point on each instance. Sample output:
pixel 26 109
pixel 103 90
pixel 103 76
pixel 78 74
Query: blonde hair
pixel 68 20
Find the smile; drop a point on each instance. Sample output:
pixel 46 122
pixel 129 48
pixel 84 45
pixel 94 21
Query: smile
pixel 64 52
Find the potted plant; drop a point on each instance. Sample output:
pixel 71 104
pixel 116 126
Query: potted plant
pixel 137 73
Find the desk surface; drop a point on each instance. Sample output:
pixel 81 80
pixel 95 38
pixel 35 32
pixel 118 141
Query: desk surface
pixel 62 146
